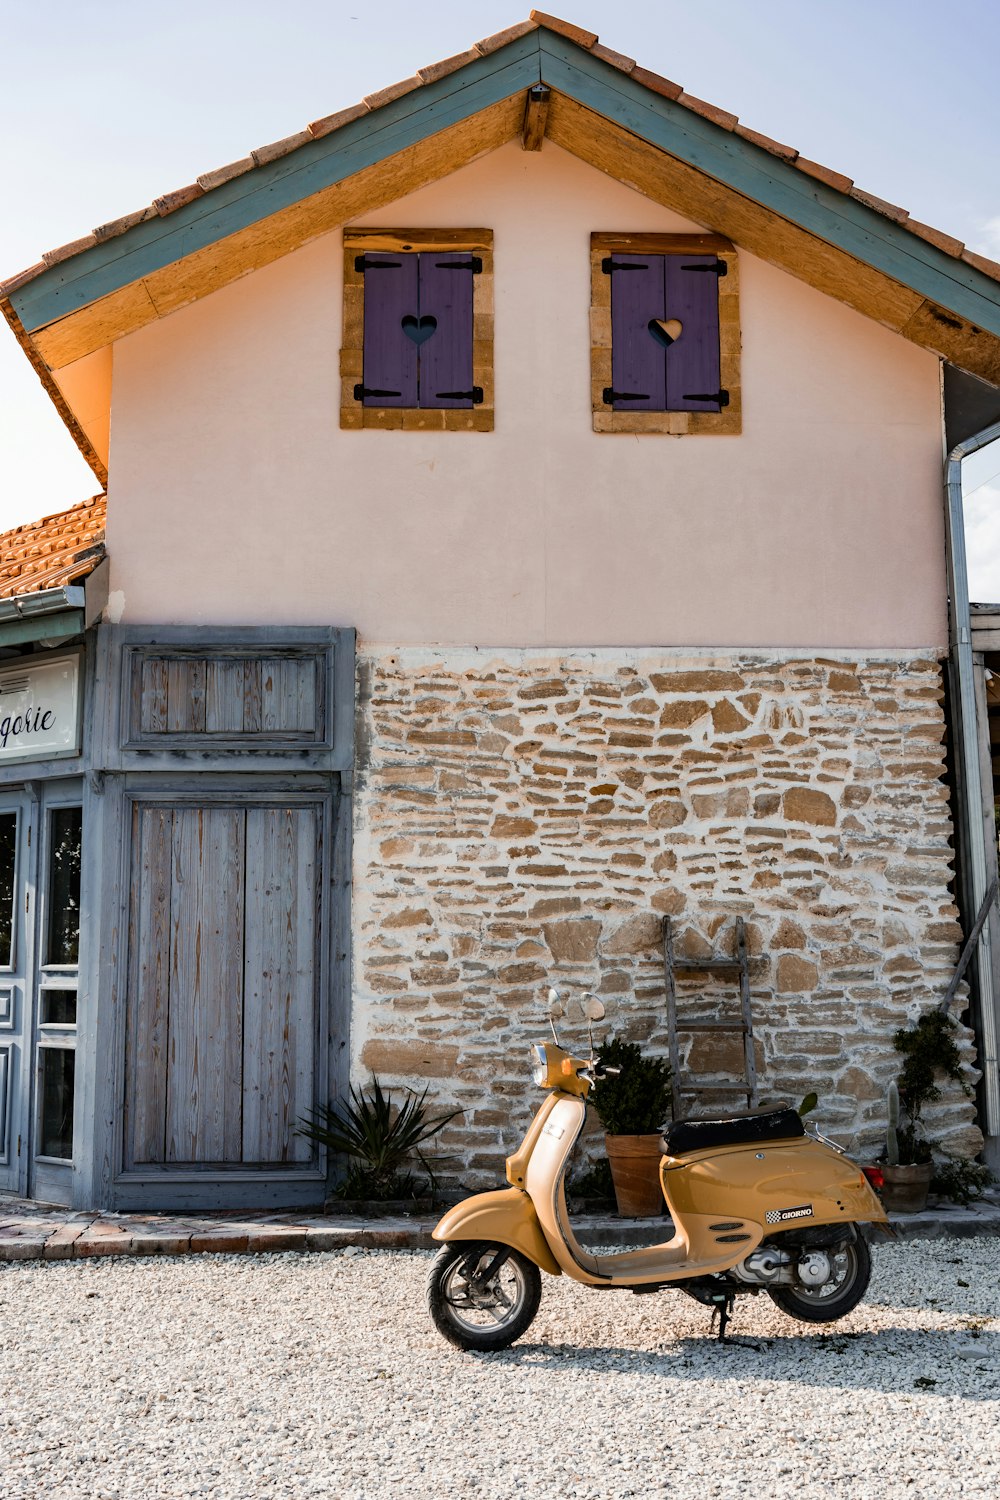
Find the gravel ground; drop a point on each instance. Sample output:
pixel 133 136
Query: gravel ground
pixel 321 1375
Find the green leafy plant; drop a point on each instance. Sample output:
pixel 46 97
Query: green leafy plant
pixel 960 1179
pixel 378 1139
pixel 808 1104
pixel 929 1050
pixel 637 1101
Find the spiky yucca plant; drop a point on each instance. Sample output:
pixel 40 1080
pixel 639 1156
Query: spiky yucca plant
pixel 378 1139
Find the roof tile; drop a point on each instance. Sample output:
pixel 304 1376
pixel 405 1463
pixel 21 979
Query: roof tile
pixel 209 180
pixel 57 550
pixel 502 38
pixel 775 148
pixel 616 59
pixel 890 210
pixel 333 122
pixel 657 83
pixel 945 242
pixel 710 111
pixel 447 65
pixel 394 91
pixel 565 28
pixel 982 263
pixel 276 149
pixel 825 174
pixel 115 227
pixel 177 199
pixel 64 252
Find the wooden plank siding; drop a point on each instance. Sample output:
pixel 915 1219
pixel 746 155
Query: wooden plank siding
pixel 186 697
pixel 279 980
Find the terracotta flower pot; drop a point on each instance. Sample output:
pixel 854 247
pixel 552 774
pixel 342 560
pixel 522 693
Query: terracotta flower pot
pixel 906 1188
pixel 635 1171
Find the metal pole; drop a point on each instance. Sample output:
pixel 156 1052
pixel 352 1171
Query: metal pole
pixel 966 733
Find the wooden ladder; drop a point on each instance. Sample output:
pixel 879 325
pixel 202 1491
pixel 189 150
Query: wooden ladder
pixel 718 964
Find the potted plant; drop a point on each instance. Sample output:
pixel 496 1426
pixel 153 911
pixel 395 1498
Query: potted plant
pixel 906 1173
pixel 928 1048
pixel 632 1107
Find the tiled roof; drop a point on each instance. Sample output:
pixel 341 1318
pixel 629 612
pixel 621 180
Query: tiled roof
pixel 54 551
pixel 168 202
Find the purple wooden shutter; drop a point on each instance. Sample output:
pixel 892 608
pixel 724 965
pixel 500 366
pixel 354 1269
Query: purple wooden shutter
pixel 446 353
pixel 390 353
pixel 692 360
pixel 638 373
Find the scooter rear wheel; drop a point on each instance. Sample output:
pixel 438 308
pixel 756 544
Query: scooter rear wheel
pixel 851 1268
pixel 477 1304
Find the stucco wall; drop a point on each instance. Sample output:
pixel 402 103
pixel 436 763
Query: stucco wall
pixel 526 818
pixel 235 497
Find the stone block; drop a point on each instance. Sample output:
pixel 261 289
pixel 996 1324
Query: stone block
pixel 573 941
pixel 409 1059
pixel 804 805
pixel 635 935
pixel 667 812
pixel 796 975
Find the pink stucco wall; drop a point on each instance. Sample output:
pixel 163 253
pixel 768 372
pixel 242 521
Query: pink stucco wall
pixel 235 497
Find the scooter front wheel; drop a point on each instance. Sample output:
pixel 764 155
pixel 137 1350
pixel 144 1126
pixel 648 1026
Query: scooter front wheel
pixel 482 1295
pixel 836 1289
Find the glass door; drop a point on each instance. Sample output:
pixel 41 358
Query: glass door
pixel 17 855
pixel 57 982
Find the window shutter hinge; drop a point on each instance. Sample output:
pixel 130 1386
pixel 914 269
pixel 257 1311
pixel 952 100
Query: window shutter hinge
pixel 609 395
pixel 361 391
pixel 719 269
pixel 609 264
pixel 722 397
pixel 363 264
pixel 474 265
pixel 475 395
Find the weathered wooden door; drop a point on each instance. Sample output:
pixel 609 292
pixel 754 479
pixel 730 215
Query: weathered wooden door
pixel 223 1010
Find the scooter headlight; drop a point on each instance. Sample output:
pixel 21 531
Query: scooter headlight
pixel 539 1065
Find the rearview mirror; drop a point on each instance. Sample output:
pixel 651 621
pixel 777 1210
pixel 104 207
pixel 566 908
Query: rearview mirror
pixel 593 1010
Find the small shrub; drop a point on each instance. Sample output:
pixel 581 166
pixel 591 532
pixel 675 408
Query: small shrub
pixel 637 1101
pixel 378 1139
pixel 595 1182
pixel 960 1179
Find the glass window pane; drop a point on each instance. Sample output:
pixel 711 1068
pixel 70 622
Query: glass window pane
pixel 63 906
pixel 56 1133
pixel 8 869
pixel 58 1007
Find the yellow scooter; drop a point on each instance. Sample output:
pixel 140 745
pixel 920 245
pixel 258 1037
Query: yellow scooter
pixel 756 1203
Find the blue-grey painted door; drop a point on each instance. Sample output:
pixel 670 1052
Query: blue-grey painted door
pixel 18 847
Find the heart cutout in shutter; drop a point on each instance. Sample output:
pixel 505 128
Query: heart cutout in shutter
pixel 419 330
pixel 665 330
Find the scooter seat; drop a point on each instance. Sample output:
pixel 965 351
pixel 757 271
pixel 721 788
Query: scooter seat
pixel 684 1136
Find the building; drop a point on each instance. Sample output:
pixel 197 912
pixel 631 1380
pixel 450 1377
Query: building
pixel 558 464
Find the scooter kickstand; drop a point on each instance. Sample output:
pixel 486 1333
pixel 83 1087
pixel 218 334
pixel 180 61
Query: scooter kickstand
pixel 723 1310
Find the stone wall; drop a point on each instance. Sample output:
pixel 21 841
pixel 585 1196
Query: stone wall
pixel 524 818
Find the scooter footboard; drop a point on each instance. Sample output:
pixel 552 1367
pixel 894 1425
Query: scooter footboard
pixel 507 1217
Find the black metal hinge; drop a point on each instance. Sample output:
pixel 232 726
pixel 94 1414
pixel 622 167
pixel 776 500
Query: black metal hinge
pixel 719 269
pixel 608 265
pixel 721 396
pixel 361 391
pixel 363 264
pixel 608 395
pixel 475 395
pixel 474 265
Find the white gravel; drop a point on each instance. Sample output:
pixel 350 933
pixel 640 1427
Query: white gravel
pixel 321 1375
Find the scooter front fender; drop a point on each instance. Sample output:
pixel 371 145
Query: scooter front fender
pixel 506 1217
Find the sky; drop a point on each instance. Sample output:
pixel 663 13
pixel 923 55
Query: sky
pixel 106 104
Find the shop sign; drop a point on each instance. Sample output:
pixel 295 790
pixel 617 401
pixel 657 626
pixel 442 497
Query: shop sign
pixel 40 709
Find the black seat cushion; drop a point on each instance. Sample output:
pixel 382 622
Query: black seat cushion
pixel 736 1130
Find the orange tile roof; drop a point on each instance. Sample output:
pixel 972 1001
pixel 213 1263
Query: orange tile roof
pixel 168 202
pixel 56 550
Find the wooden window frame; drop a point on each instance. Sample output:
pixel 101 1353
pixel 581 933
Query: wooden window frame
pixel 727 422
pixel 353 413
